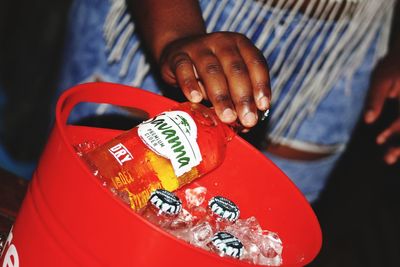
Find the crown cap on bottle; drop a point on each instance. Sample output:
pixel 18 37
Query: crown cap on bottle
pixel 224 208
pixel 227 244
pixel 166 202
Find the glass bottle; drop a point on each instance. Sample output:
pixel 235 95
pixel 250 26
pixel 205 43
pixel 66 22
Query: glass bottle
pixel 167 151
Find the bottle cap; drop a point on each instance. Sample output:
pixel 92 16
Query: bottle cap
pixel 224 208
pixel 227 244
pixel 166 202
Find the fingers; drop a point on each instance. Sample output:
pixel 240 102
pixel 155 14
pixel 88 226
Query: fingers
pixel 246 74
pixel 385 84
pixel 212 77
pixel 258 72
pixel 394 128
pixel 376 99
pixel 395 90
pixel 182 66
pixel 225 68
pixel 239 83
pixel 392 156
pixel 383 137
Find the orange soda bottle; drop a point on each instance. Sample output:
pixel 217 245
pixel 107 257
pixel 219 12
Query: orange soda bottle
pixel 165 152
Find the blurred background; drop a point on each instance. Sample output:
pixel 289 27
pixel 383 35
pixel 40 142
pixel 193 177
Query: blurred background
pixel 359 211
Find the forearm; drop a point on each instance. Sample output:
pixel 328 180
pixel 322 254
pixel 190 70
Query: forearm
pixel 160 22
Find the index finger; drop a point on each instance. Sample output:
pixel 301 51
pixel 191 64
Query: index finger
pixel 182 66
pixel 212 76
pixel 240 87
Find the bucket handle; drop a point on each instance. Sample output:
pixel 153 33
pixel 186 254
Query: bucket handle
pixel 111 93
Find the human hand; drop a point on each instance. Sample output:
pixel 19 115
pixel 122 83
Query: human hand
pixel 393 154
pixel 385 85
pixel 224 68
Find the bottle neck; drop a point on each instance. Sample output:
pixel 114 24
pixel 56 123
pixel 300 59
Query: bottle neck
pixel 206 116
pixel 231 130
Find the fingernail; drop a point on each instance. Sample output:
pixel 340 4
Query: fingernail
pixel 370 116
pixel 228 115
pixel 380 140
pixel 196 96
pixel 264 103
pixel 393 94
pixel 250 119
pixel 390 160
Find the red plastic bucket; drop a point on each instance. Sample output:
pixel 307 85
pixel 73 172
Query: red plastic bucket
pixel 69 219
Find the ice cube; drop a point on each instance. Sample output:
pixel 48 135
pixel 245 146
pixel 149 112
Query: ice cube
pixel 195 196
pixel 247 230
pixel 180 226
pixel 271 240
pixel 270 246
pixel 275 261
pixel 199 212
pixel 250 224
pixel 260 246
pixel 183 220
pixel 251 252
pixel 201 234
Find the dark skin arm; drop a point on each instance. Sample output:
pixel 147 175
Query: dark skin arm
pixel 223 67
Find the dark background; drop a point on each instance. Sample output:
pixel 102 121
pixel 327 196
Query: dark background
pixel 358 212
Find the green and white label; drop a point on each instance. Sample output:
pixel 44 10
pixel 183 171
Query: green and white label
pixel 173 135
